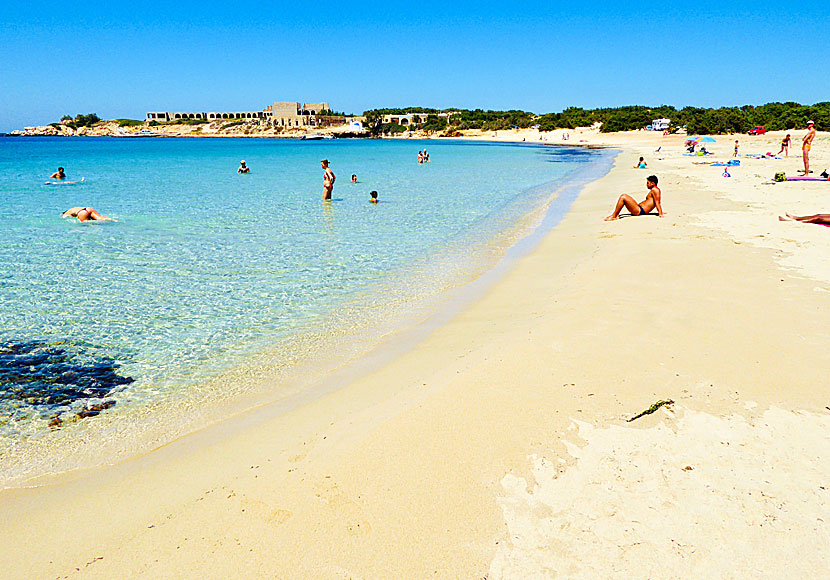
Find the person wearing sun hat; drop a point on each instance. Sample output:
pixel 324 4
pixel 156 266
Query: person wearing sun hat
pixel 243 168
pixel 808 143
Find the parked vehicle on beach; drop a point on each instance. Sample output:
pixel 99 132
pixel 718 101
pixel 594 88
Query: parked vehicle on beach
pixel 759 130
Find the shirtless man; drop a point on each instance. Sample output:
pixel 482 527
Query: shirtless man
pixel 808 142
pixel 59 174
pixel 328 179
pixel 243 168
pixel 651 201
pixel 86 214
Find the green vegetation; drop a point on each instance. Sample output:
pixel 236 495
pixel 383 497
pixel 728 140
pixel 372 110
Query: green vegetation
pixel 129 123
pixel 775 116
pixel 80 120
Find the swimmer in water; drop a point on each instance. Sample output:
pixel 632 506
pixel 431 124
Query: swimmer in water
pixel 354 178
pixel 59 174
pixel 86 214
pixel 374 198
pixel 243 168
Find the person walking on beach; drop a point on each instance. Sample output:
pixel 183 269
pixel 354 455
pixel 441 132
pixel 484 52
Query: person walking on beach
pixel 652 200
pixel 785 146
pixel 808 143
pixel 736 149
pixel 243 168
pixel 328 179
pixel 59 174
pixel 86 214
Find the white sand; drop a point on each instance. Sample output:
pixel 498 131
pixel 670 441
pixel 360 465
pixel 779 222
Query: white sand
pixel 696 496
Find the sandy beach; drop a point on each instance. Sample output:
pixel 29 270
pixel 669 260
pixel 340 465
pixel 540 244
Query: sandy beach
pixel 499 446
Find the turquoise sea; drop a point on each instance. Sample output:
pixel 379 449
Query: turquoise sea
pixel 207 270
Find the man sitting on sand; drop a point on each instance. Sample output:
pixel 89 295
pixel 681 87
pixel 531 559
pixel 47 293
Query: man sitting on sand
pixel 243 168
pixel 651 201
pixel 59 174
pixel 819 218
pixel 86 214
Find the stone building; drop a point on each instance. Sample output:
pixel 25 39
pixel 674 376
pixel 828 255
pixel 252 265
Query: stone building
pixel 279 114
pixel 412 118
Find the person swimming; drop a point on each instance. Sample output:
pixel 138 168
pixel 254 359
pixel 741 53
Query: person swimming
pixel 59 174
pixel 652 201
pixel 374 196
pixel 86 214
pixel 354 178
pixel 243 168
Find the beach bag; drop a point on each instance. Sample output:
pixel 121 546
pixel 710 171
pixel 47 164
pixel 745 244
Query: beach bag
pixel 780 176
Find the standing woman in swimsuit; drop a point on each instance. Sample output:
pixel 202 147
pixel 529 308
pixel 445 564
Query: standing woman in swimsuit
pixel 652 200
pixel 808 143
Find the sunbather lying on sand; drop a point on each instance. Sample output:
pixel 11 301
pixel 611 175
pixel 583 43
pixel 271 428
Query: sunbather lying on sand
pixel 819 218
pixel 651 201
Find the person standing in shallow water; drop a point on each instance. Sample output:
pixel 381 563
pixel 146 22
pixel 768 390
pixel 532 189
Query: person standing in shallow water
pixel 328 179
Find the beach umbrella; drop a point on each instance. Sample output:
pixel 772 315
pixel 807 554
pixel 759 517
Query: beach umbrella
pixel 706 140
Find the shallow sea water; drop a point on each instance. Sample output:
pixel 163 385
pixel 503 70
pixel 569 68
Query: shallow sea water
pixel 206 268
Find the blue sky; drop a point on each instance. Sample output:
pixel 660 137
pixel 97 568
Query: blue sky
pixel 123 60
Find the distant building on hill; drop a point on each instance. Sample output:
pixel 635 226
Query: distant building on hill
pixel 279 114
pixel 412 118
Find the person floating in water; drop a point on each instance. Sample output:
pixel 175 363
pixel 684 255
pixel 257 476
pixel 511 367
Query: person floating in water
pixel 641 164
pixel 243 168
pixel 651 201
pixel 59 174
pixel 819 218
pixel 86 214
pixel 328 179
pixel 354 178
pixel 374 196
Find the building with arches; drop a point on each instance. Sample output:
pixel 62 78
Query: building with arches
pixel 280 114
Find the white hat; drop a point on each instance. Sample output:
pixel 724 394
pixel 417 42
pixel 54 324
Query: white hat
pixel 810 123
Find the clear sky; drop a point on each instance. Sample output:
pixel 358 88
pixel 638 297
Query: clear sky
pixel 122 60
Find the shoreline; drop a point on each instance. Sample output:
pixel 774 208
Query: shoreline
pixel 400 472
pixel 261 380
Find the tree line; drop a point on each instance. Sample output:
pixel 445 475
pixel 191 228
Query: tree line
pixel 774 116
